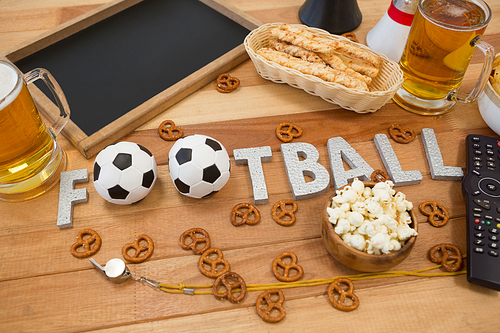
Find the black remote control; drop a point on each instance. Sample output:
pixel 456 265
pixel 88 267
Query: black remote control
pixel 481 189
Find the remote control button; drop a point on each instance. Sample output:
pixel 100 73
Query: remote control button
pixel 490 159
pixel 493 238
pixel 479 242
pixel 477 210
pixel 476 146
pixel 477 173
pixel 476 193
pixel 478 215
pixel 490 186
pixel 478 152
pixel 493 253
pixel 487 217
pixel 482 204
pixel 491 164
pixel 479 227
pixel 479 235
pixel 479 159
pixel 489 146
pixel 490 153
pixel 478 250
pixel 478 164
pixel 494 231
pixel 476 139
pixel 493 245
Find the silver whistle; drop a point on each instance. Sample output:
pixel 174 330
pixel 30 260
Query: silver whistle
pixel 115 270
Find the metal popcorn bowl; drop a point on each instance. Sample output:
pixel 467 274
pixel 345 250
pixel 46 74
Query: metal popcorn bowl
pixel 358 260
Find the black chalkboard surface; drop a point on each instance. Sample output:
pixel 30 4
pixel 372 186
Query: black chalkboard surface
pixel 115 65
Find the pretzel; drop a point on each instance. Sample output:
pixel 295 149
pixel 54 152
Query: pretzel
pixel 340 304
pixel 285 277
pixel 213 272
pixel 278 217
pixel 191 233
pixel 278 305
pixel 169 132
pixel 86 244
pixel 137 257
pixel 445 256
pixel 245 214
pixel 400 134
pixel 351 36
pixel 230 287
pixel 379 176
pixel 438 216
pixel 226 83
pixel 287 131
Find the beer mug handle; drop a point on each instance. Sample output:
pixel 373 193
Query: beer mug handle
pixel 489 56
pixel 55 89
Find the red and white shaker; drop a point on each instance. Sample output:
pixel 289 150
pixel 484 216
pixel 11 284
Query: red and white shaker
pixel 391 32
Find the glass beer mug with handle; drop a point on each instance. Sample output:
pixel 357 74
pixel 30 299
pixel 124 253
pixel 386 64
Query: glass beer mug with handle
pixel 442 39
pixel 30 158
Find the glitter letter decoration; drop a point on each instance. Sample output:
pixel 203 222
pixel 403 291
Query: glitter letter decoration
pixel 254 158
pixel 391 163
pixel 309 166
pixel 68 196
pixel 339 149
pixel 435 159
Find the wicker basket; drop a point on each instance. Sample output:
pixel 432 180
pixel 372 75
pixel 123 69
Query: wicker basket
pixel 382 88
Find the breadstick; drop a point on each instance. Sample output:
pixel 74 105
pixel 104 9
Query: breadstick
pixel 295 51
pixel 319 70
pixel 336 63
pixel 359 66
pixel 315 43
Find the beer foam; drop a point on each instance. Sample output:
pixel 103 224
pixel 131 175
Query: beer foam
pixel 8 81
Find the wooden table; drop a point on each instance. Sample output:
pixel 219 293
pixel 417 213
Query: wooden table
pixel 44 288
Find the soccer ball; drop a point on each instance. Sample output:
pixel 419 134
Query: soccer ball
pixel 199 165
pixel 124 173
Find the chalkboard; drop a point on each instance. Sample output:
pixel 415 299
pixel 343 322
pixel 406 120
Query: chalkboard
pixel 115 65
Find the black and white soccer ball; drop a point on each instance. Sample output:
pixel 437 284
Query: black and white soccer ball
pixel 124 173
pixel 199 165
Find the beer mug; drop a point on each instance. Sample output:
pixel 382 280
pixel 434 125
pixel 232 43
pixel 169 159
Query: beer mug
pixel 442 39
pixel 30 158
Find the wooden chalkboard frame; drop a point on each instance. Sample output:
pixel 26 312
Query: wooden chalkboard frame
pixel 90 145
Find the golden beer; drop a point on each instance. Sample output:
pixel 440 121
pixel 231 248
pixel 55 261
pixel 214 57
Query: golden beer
pixel 27 146
pixel 30 159
pixel 442 40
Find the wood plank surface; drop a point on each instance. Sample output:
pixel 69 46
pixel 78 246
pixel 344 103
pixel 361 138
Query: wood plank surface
pixel 44 288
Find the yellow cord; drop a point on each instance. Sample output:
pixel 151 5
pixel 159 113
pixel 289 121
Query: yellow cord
pixel 181 288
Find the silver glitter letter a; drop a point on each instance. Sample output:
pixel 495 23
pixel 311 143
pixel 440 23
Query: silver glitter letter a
pixel 339 149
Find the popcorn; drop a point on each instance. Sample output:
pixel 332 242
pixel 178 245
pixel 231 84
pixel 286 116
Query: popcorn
pixel 373 220
pixel 343 226
pixel 357 241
